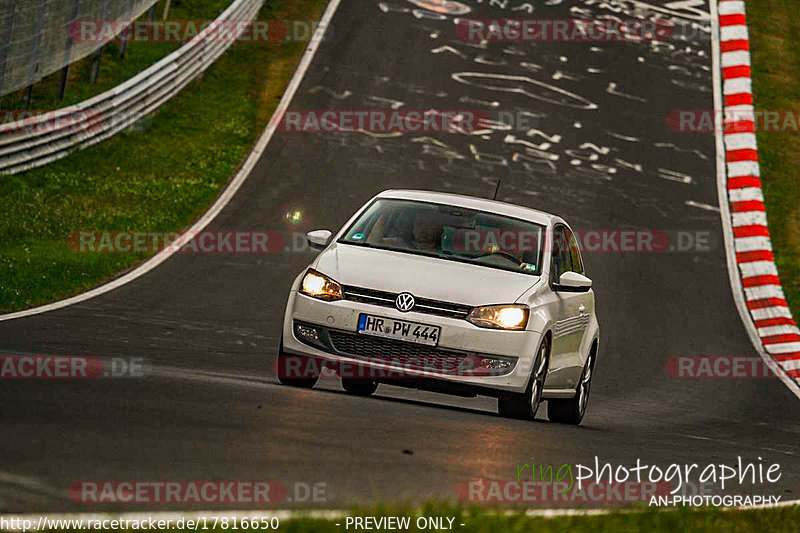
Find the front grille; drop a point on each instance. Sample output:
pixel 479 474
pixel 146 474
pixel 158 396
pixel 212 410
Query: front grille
pixel 397 353
pixel 422 305
pixel 401 354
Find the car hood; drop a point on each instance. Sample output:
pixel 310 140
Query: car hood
pixel 425 277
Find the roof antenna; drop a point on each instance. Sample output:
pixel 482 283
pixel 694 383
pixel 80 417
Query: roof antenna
pixel 496 190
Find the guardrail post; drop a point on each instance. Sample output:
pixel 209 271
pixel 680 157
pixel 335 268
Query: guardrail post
pixel 95 65
pixel 37 43
pixel 62 85
pixel 26 99
pixel 126 34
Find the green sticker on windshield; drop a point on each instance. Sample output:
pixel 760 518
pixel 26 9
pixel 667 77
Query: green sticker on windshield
pixel 528 267
pixel 357 236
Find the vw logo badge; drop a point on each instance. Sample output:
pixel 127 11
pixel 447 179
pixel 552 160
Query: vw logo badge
pixel 404 302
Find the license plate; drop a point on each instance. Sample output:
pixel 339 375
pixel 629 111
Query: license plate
pixel 402 330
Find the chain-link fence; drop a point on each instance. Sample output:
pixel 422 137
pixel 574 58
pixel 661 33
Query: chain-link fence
pixel 36 35
pixel 39 139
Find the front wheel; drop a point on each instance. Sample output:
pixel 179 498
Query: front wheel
pixel 524 405
pixel 571 411
pixel 296 370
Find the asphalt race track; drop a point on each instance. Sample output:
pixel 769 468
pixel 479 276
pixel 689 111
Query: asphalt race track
pixel 207 325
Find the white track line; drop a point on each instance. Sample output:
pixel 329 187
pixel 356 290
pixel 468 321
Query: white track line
pixel 226 195
pixel 733 245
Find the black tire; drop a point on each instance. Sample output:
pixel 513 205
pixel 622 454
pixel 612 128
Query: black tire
pixel 310 369
pixel 359 387
pixel 524 405
pixel 571 411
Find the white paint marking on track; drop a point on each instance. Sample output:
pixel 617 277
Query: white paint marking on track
pixel 700 205
pixel 735 59
pixel 771 312
pixel 753 244
pixel 226 195
pixel 737 86
pixel 739 141
pixel 784 348
pixel 750 218
pixel 731 33
pixel 758 268
pixel 778 330
pixel 731 7
pixel 739 169
pixel 764 292
pixel 746 194
pixel 740 113
pixel 793 364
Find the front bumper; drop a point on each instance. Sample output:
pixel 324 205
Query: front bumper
pixel 340 343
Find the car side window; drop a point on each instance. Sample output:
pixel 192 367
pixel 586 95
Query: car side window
pixel 575 254
pixel 562 261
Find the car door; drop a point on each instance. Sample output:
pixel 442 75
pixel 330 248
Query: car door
pixel 571 313
pixel 585 300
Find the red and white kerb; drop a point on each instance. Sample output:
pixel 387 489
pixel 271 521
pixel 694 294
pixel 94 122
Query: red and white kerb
pixel 762 287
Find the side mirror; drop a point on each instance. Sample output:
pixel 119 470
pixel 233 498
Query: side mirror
pixel 573 282
pixel 318 239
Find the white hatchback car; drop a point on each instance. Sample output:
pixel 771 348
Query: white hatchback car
pixel 451 294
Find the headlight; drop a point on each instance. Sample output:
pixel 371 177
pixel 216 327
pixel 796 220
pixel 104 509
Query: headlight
pixel 320 286
pixel 511 316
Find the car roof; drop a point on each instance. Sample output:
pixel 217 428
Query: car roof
pixel 472 202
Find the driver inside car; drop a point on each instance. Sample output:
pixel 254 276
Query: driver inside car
pixel 422 231
pixel 427 232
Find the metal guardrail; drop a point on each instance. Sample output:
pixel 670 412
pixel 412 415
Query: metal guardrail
pixel 35 141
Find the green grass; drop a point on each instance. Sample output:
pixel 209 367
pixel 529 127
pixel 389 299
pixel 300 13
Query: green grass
pixel 775 46
pixel 649 521
pixel 774 520
pixel 158 177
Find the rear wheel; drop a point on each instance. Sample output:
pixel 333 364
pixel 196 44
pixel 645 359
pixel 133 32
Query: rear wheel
pixel 296 370
pixel 524 405
pixel 571 411
pixel 359 387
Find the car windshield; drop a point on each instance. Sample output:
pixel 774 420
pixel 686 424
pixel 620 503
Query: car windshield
pixel 449 232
